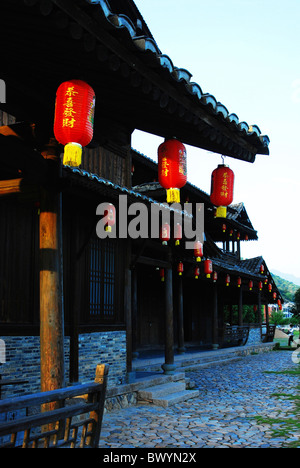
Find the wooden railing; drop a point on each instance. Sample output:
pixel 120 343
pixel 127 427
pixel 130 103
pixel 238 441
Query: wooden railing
pixel 267 333
pixel 68 417
pixel 234 336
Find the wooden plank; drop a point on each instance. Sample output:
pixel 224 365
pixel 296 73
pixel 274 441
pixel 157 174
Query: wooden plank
pixel 18 186
pixel 88 400
pixel 45 418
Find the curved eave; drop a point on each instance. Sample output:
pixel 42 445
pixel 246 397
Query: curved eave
pixel 147 45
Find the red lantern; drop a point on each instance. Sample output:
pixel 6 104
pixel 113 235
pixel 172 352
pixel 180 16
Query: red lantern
pixel 270 287
pixel 260 285
pixel 221 195
pixel 165 233
pixel 238 236
pixel 227 280
pixel 74 118
pixel 224 227
pixel 274 296
pixel 246 237
pixel 198 251
pixel 250 285
pixel 208 268
pixel 109 217
pixel 197 272
pixel 180 268
pixel 231 233
pixel 178 233
pixel 262 269
pixel 279 304
pixel 215 277
pixel 172 168
pixel 162 274
pixel 239 282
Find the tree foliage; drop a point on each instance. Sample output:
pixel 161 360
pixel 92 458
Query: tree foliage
pixel 286 288
pixel 296 309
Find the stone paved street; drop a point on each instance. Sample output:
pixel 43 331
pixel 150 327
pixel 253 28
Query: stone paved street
pixel 231 396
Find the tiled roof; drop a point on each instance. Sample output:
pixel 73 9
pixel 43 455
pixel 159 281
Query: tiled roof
pixel 149 47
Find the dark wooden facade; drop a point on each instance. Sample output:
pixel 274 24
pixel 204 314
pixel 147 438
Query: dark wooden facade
pixel 109 284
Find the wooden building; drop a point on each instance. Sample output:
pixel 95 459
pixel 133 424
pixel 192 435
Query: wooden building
pixel 67 297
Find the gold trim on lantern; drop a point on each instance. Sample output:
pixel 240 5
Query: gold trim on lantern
pixel 173 195
pixel 72 155
pixel 221 212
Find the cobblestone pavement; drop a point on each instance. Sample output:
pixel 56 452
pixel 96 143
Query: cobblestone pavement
pixel 223 415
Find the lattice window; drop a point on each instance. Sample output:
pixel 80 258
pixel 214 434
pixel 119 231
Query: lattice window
pixel 102 278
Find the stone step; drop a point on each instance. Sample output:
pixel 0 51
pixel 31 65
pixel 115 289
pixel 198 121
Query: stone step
pixel 174 398
pixel 152 393
pixel 167 394
pixel 206 364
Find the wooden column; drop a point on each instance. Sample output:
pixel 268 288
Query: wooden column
pixel 128 319
pixel 267 314
pixel 134 313
pixel 230 314
pixel 169 367
pixel 240 307
pixel 75 301
pixel 259 308
pixel 51 277
pixel 215 341
pixel 181 348
pixel 51 301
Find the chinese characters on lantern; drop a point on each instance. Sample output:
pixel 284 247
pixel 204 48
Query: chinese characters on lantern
pixel 69 111
pixel 164 167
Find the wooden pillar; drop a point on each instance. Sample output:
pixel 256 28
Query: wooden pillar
pixel 259 308
pixel 51 290
pixel 169 367
pixel 134 313
pixel 267 314
pixel 128 312
pixel 240 307
pixel 51 304
pixel 181 348
pixel 215 341
pixel 230 314
pixel 75 301
pixel 239 249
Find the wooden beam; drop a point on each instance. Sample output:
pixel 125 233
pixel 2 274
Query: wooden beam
pixel 156 262
pixel 18 187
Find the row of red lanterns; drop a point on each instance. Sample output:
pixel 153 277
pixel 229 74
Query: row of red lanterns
pixel 234 233
pixel 208 270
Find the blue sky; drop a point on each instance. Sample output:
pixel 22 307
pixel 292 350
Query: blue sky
pixel 246 54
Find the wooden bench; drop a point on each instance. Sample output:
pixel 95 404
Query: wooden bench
pixel 68 417
pixel 268 333
pixel 235 336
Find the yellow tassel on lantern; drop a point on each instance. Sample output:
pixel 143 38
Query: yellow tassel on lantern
pixel 173 195
pixel 72 155
pixel 221 212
